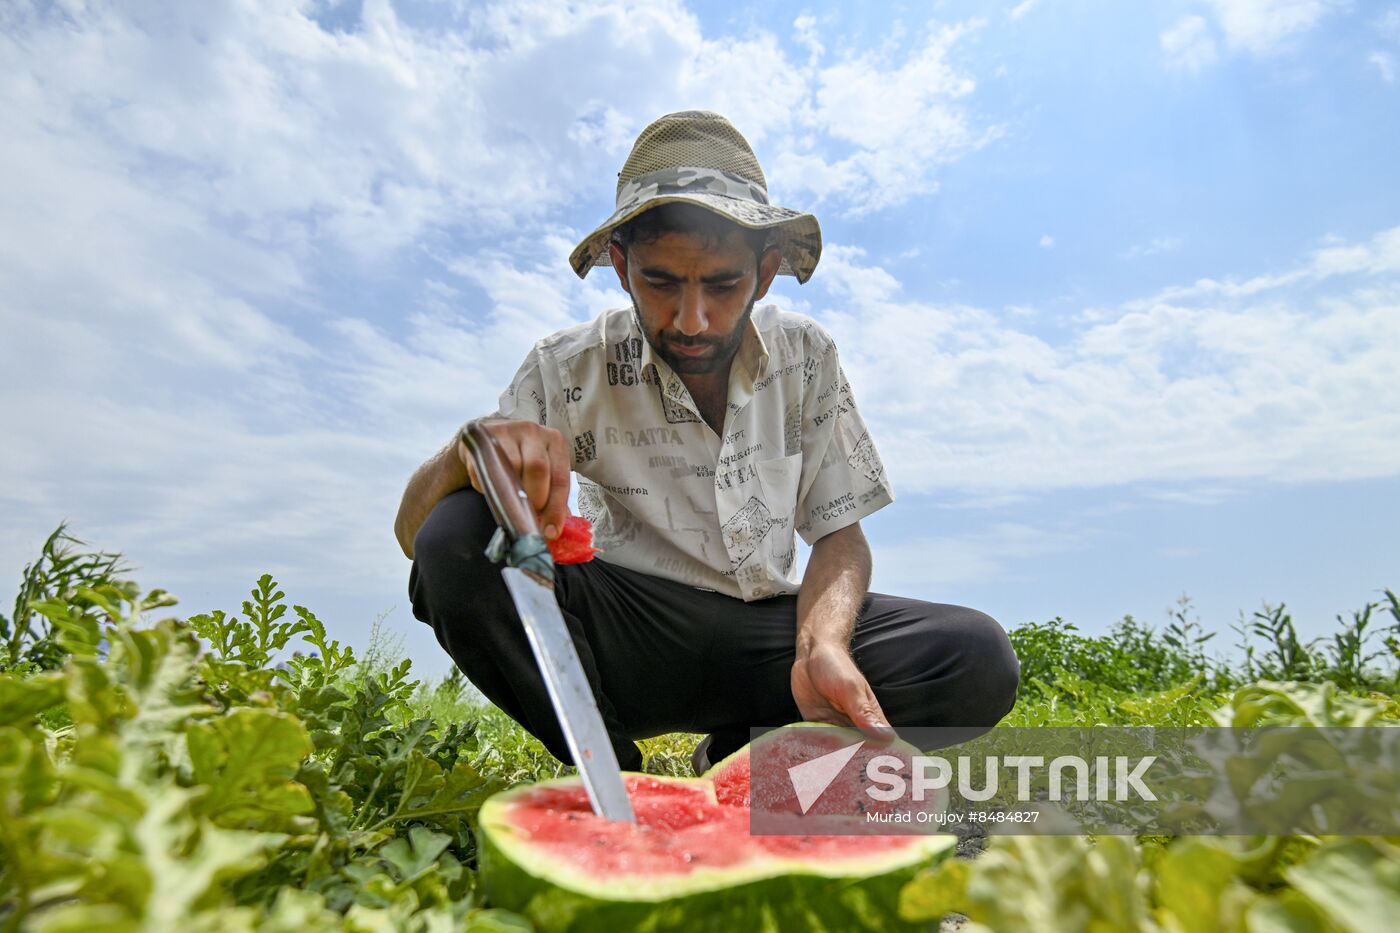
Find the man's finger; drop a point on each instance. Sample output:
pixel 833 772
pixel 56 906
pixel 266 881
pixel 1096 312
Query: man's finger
pixel 858 701
pixel 535 473
pixel 557 508
pixel 870 719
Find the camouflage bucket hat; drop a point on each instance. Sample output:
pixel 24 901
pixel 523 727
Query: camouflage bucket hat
pixel 699 157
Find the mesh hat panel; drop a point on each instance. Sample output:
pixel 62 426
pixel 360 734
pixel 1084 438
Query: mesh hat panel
pixel 692 137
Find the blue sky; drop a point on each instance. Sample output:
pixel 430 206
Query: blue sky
pixel 1117 287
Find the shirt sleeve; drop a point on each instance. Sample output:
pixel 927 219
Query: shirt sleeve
pixel 527 396
pixel 843 479
pixel 536 394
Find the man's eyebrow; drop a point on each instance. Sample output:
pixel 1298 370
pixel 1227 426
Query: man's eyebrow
pixel 714 278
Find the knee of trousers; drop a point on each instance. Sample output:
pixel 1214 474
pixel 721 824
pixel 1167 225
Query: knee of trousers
pixel 976 665
pixel 450 567
pixel 995 668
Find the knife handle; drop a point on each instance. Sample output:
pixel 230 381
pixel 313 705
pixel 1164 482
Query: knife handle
pixel 503 491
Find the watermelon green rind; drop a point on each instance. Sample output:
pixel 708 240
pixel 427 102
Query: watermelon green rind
pixel 775 902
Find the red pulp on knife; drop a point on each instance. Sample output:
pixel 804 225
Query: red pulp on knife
pixel 575 542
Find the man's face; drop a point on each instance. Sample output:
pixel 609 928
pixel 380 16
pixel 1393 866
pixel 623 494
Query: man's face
pixel 693 295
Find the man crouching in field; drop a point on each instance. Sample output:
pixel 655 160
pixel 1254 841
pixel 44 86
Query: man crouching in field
pixel 706 433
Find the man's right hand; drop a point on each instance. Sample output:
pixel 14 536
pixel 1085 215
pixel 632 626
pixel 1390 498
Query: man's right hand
pixel 540 456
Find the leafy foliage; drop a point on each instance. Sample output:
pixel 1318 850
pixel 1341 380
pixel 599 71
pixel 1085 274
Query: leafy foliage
pixel 198 785
pixel 1131 658
pixel 248 772
pixel 28 640
pixel 1349 658
pixel 1076 883
pixel 1137 676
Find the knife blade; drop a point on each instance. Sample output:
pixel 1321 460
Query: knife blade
pixel 569 692
pixel 548 635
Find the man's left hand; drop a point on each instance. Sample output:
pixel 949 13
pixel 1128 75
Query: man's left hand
pixel 828 687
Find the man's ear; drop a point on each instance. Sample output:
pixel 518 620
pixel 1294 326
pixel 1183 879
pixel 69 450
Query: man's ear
pixel 768 265
pixel 619 263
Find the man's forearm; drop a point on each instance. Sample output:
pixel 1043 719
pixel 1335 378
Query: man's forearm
pixel 833 590
pixel 444 473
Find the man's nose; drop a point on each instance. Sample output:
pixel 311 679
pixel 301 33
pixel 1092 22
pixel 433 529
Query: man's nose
pixel 692 317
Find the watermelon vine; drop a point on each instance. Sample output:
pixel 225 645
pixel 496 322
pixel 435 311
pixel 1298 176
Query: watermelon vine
pixel 249 772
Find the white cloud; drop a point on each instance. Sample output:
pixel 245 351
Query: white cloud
pixel 901 124
pixel 1385 64
pixel 1199 494
pixel 1158 245
pixel 843 275
pixel 1388 24
pixel 257 269
pixel 1379 257
pixel 1047 242
pixel 1256 27
pixel 805 28
pixel 1263 26
pixel 191 174
pixel 293 139
pixel 1281 377
pixel 1188 45
pixel 187 371
pixel 1022 8
pixel 926 564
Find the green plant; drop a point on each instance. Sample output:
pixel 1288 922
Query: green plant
pixel 1078 883
pixel 249 772
pixel 60 575
pixel 1131 657
pixel 196 785
pixel 1350 659
pixel 1186 637
pixel 1286 656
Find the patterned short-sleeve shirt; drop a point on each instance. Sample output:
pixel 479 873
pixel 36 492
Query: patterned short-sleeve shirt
pixel 669 497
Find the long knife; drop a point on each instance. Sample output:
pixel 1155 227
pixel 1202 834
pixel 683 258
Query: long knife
pixel 549 637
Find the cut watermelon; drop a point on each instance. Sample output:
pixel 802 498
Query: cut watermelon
pixel 770 792
pixel 691 861
pixel 575 542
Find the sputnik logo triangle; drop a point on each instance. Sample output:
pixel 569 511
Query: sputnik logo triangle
pixel 811 778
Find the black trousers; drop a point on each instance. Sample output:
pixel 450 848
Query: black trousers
pixel 665 657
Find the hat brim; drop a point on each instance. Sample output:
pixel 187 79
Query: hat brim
pixel 798 236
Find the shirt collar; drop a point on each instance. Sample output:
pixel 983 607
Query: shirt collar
pixel 753 352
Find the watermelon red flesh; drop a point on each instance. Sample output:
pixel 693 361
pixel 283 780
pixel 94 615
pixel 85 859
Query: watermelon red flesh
pixel 575 542
pixel 679 828
pixel 731 779
pixel 772 792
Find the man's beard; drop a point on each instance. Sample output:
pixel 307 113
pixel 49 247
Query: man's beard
pixel 717 359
